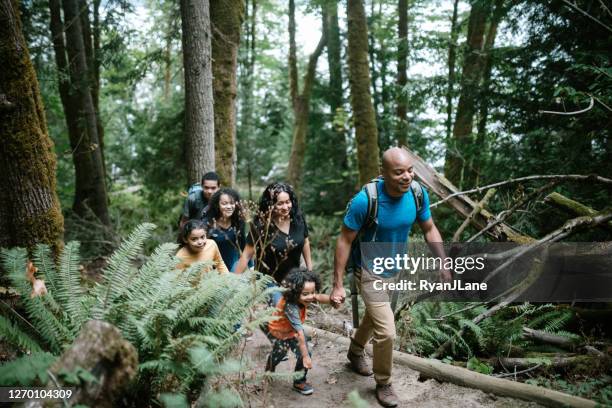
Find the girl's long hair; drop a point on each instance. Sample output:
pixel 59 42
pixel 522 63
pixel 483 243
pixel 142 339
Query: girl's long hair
pixel 214 209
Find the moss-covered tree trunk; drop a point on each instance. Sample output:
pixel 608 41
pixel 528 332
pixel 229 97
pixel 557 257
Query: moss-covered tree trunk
pixel 226 18
pixel 457 150
pixel 335 94
pixel 482 145
pixel 199 116
pixel 452 57
pixel 402 78
pixel 301 103
pixel 361 99
pixel 246 85
pixel 29 207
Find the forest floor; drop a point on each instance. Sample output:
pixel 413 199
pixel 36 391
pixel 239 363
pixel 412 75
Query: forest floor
pixel 333 380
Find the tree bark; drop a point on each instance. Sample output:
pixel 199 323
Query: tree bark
pixel 226 19
pixel 458 147
pixel 293 73
pixel 300 121
pixel 487 64
pixel 199 116
pixel 247 81
pixel 452 57
pixel 402 78
pixel 364 118
pixel 334 62
pixel 92 192
pixel 30 212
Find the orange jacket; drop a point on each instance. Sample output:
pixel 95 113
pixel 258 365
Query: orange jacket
pixel 281 328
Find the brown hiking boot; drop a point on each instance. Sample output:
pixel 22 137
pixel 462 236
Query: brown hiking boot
pixel 386 396
pixel 359 364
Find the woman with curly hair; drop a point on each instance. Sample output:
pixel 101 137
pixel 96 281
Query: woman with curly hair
pixel 278 236
pixel 226 225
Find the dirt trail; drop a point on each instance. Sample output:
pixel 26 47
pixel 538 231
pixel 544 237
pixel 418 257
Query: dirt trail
pixel 333 381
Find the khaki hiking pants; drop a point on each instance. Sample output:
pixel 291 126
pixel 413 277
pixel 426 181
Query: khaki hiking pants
pixel 378 324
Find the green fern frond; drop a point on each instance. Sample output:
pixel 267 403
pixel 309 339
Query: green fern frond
pixel 52 330
pixel 117 273
pixel 68 288
pixel 44 263
pixel 26 370
pixel 17 337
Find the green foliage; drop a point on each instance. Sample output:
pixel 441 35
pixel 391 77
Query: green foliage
pixel 26 370
pixel 427 325
pixel 597 389
pixel 479 366
pixel 183 323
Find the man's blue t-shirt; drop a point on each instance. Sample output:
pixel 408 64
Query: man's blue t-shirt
pixel 395 218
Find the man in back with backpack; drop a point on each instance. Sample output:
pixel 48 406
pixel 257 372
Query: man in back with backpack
pixel 399 202
pixel 198 198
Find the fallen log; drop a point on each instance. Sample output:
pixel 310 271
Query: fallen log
pixel 442 187
pixel 573 207
pixel 549 338
pixel 463 377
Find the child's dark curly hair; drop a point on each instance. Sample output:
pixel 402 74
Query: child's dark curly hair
pixel 294 283
pixel 187 228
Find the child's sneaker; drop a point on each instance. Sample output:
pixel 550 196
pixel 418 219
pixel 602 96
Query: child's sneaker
pixel 303 388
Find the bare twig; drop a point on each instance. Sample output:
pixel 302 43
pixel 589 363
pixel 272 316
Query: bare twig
pixel 588 108
pixel 575 7
pixel 518 372
pixel 477 208
pixel 512 209
pixel 572 177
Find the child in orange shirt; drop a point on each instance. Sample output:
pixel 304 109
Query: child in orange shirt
pixel 196 248
pixel 286 332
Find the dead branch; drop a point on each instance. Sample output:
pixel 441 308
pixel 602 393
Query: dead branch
pixel 575 7
pixel 573 207
pixel 482 204
pixel 442 187
pixel 549 338
pixel 588 108
pixel 572 177
pixel 514 207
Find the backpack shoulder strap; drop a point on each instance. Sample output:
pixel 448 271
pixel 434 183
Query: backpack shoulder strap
pixel 417 193
pixel 371 190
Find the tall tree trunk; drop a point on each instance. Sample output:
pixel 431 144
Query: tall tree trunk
pixel 334 62
pixel 94 188
pixel 458 149
pixel 293 73
pixel 301 103
pixel 247 80
pixel 452 57
pixel 91 41
pixel 29 207
pixel 373 68
pixel 226 19
pixel 402 78
pixel 481 142
pixel 199 116
pixel 300 121
pixel 364 118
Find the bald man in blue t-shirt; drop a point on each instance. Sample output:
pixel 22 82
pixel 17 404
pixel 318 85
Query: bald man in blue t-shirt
pixel 396 215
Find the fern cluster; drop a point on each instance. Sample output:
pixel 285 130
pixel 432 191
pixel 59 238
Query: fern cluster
pixel 172 317
pixel 427 325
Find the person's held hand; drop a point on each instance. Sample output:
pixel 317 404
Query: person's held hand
pixel 307 362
